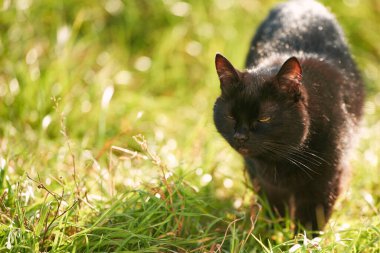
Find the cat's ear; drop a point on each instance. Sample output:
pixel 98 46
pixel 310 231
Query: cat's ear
pixel 290 77
pixel 228 75
pixel 291 70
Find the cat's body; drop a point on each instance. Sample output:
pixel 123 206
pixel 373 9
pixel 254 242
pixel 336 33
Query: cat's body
pixel 293 112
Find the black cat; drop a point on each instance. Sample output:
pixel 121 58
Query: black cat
pixel 293 112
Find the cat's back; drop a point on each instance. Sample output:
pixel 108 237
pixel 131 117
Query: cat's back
pixel 299 27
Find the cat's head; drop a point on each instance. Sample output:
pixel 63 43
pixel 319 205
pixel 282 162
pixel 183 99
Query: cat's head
pixel 263 111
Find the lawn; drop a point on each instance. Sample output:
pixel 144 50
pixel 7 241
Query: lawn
pixel 107 141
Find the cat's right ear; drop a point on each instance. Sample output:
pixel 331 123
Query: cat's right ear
pixel 228 75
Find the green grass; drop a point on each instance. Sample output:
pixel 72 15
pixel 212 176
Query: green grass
pixel 106 134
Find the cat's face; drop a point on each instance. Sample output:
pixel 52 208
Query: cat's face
pixel 260 113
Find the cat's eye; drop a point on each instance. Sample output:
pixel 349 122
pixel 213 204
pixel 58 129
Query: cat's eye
pixel 230 117
pixel 265 119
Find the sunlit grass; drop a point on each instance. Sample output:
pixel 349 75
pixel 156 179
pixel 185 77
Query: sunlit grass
pixel 79 83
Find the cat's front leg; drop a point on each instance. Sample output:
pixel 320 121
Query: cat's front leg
pixel 312 215
pixel 279 199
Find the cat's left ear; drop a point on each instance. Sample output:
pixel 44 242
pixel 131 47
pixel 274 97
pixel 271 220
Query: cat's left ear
pixel 289 78
pixel 290 71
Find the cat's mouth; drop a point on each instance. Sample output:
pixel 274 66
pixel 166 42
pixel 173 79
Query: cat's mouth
pixel 243 150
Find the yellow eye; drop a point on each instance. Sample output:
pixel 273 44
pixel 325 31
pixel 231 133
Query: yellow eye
pixel 264 119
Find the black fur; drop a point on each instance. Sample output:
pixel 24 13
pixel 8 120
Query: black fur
pixel 293 111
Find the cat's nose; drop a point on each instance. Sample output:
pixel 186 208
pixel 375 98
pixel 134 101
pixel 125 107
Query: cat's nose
pixel 240 137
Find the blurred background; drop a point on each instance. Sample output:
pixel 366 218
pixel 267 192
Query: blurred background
pixel 99 72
